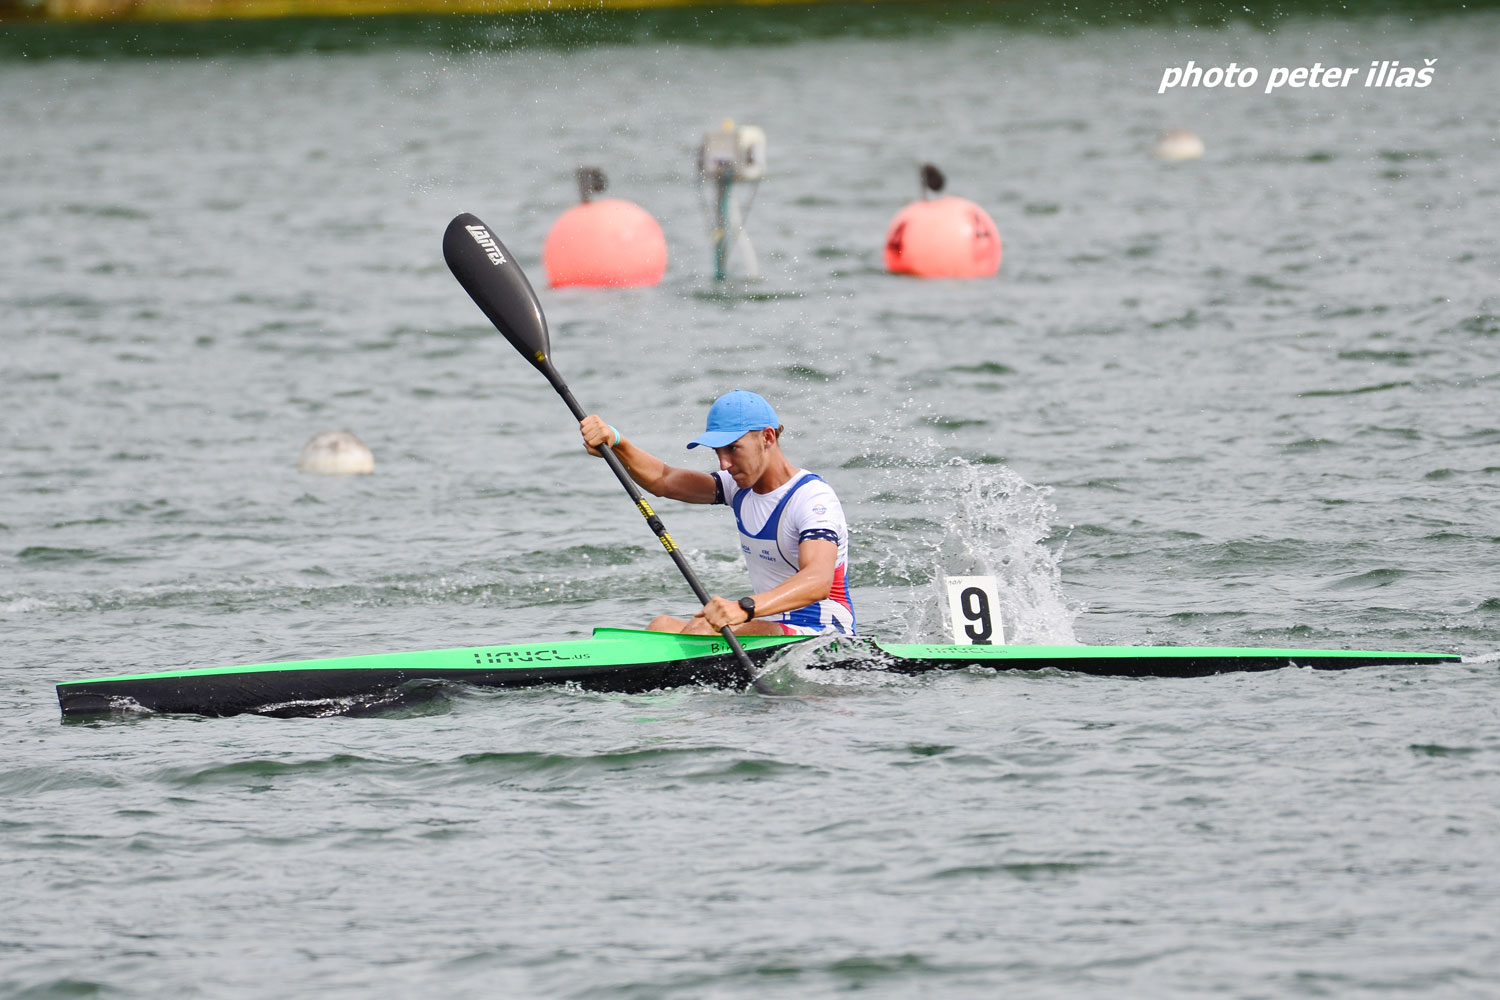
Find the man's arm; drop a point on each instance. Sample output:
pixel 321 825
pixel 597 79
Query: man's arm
pixel 651 473
pixel 810 584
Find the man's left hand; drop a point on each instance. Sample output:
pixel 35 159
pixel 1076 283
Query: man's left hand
pixel 721 611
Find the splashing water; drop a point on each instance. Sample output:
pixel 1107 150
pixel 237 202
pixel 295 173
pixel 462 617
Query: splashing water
pixel 994 523
pixel 820 667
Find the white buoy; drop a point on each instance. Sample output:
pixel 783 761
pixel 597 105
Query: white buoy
pixel 336 453
pixel 1179 144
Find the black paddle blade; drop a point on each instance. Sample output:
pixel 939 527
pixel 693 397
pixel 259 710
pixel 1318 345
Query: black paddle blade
pixel 497 284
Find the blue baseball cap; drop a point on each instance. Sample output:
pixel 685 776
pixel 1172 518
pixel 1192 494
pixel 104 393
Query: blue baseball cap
pixel 734 415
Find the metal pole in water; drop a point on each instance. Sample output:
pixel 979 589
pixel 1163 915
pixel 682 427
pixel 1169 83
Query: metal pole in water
pixel 730 155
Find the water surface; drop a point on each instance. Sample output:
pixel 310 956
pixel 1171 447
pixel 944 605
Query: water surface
pixel 1248 400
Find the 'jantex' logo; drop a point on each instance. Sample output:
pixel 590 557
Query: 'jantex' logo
pixel 487 243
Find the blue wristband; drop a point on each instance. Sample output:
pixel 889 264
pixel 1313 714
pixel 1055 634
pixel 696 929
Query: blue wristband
pixel 617 437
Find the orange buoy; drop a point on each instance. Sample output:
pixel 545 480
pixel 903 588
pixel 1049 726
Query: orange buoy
pixel 611 243
pixel 942 238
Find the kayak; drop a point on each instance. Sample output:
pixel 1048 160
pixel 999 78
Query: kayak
pixel 628 660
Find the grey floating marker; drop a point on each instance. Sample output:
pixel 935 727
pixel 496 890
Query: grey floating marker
pixel 336 453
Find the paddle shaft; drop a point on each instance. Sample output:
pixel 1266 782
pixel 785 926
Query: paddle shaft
pixel 665 536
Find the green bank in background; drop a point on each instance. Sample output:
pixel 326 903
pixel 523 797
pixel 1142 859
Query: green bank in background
pixel 627 660
pixel 199 10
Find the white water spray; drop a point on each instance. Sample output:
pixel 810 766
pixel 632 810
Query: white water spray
pixel 982 520
pixel 999 525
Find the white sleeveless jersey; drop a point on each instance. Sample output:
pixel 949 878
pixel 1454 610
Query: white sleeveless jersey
pixel 773 525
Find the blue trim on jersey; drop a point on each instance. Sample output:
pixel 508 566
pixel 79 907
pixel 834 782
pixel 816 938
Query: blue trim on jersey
pixel 819 535
pixel 767 531
pixel 812 617
pixel 808 617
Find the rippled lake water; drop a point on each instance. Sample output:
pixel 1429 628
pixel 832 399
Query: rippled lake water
pixel 1244 400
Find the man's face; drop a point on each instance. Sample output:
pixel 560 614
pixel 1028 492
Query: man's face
pixel 744 459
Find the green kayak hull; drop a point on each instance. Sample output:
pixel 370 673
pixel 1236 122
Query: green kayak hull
pixel 627 660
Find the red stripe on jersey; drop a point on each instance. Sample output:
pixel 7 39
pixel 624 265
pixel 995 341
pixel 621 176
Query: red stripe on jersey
pixel 840 591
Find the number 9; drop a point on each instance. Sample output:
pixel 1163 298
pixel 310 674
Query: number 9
pixel 975 605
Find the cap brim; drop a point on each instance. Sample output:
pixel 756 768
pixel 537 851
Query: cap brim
pixel 716 439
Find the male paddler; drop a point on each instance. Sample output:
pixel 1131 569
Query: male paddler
pixel 791 524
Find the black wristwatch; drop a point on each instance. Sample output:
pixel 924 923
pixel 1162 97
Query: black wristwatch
pixel 747 605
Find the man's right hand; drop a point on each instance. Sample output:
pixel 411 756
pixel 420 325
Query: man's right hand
pixel 649 472
pixel 595 433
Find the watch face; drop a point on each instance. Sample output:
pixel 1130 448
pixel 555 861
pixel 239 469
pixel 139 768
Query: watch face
pixel 747 605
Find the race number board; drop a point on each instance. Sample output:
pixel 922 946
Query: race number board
pixel 974 606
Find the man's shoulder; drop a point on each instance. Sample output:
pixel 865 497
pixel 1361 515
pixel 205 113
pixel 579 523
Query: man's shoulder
pixel 816 499
pixel 816 485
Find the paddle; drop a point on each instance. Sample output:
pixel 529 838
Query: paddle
pixel 497 284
